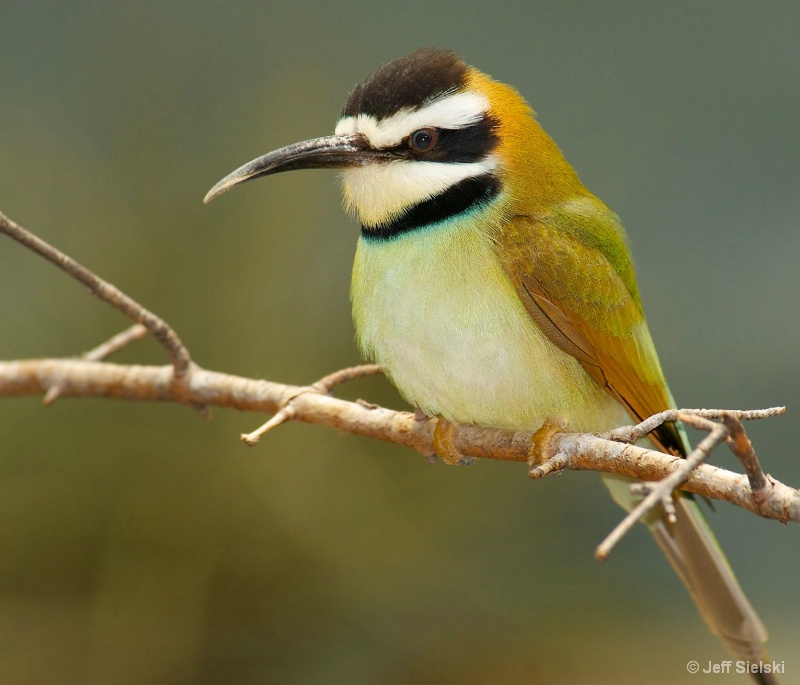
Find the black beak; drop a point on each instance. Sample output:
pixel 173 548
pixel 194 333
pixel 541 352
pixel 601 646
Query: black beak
pixel 330 152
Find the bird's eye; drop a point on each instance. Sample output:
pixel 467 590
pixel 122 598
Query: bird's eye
pixel 423 140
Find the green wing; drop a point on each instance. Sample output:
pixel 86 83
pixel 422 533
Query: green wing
pixel 573 272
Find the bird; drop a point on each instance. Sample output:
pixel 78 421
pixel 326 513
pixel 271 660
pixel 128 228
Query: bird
pixel 493 289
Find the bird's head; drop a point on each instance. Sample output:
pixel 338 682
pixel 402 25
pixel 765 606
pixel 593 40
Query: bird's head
pixel 424 139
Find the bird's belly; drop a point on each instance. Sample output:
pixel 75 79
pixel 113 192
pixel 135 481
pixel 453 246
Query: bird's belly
pixel 439 315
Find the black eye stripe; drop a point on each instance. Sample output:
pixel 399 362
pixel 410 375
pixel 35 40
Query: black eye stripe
pixel 459 145
pixel 468 144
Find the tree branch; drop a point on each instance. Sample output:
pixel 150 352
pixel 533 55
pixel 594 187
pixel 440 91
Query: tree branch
pixel 103 290
pixel 80 378
pixel 186 383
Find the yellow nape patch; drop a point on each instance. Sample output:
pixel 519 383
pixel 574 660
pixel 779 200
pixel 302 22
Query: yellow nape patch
pixel 535 171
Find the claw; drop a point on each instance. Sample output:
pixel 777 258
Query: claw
pixel 540 457
pixel 444 444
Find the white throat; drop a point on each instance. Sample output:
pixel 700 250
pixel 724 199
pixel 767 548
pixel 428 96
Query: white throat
pixel 379 192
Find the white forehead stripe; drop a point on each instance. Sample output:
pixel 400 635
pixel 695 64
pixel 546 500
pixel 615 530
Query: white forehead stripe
pixel 451 112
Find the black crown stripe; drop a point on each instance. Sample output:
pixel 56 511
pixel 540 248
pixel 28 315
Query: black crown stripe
pixel 408 82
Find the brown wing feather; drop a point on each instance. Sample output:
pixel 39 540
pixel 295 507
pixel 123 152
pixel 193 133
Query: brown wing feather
pixel 581 303
pixel 583 297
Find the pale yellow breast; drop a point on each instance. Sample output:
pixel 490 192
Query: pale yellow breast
pixel 435 310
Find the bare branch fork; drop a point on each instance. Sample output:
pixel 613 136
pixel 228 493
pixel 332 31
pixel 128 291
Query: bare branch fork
pixel 160 329
pixel 186 383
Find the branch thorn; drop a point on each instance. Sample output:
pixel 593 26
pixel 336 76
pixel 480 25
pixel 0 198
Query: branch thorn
pixel 287 413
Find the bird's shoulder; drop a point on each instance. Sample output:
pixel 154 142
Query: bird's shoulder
pixel 573 272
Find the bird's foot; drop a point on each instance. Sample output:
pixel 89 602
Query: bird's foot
pixel 422 417
pixel 445 446
pixel 541 459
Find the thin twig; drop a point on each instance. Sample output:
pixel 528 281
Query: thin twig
pixel 287 413
pixel 693 417
pixel 667 503
pixel 659 491
pixel 743 449
pixel 555 464
pixel 115 344
pixel 324 386
pixel 695 421
pixel 632 434
pixel 161 330
pixel 106 349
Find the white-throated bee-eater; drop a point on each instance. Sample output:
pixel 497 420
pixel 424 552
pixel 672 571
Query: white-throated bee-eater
pixel 494 289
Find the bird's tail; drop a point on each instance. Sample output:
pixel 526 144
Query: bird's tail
pixel 695 555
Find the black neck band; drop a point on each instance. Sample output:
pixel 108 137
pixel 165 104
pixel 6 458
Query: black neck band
pixel 459 198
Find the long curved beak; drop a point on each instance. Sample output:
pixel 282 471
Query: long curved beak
pixel 330 152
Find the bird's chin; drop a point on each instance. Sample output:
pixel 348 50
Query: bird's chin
pixel 377 193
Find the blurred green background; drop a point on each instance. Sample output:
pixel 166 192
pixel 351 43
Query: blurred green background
pixel 142 544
